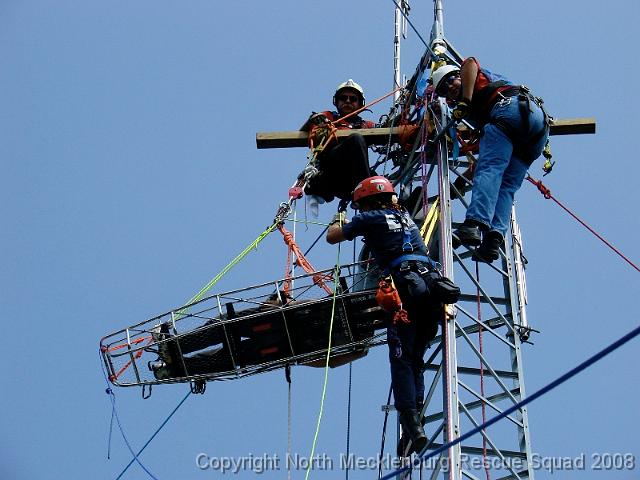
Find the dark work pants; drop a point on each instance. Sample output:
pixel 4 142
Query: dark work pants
pixel 407 377
pixel 342 167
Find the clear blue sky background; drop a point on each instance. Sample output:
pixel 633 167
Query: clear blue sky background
pixel 130 177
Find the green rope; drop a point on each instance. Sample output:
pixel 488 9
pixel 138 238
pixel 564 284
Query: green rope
pixel 326 366
pixel 195 298
pixel 241 255
pixel 308 222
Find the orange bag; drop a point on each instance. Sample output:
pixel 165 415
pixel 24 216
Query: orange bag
pixel 389 300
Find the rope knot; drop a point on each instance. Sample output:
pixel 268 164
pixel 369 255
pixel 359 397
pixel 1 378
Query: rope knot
pixel 288 237
pixel 546 193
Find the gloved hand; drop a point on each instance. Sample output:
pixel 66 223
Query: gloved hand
pixel 340 217
pixel 318 119
pixel 462 109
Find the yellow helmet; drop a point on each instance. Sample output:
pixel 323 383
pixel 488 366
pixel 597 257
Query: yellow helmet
pixel 352 85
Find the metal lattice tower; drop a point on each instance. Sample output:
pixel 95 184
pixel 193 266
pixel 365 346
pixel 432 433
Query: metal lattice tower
pixel 477 360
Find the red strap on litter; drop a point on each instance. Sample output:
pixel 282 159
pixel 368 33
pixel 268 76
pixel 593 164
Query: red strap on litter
pixel 318 278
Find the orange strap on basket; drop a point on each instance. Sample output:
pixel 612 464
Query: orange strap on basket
pixel 318 278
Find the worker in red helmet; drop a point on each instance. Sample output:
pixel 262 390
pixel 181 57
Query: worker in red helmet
pixel 398 248
pixel 341 165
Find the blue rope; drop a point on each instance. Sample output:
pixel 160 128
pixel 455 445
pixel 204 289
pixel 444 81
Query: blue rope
pixel 384 431
pixel 114 414
pixel 349 420
pixel 153 436
pixel 563 378
pixel 112 396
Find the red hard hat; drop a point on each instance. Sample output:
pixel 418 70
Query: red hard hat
pixel 372 186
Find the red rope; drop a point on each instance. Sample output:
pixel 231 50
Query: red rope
pixel 318 279
pixel 287 273
pixel 124 345
pixel 547 194
pixel 484 406
pixel 136 356
pixel 364 107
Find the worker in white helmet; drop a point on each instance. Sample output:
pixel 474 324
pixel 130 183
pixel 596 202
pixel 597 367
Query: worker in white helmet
pixel 341 165
pixel 515 130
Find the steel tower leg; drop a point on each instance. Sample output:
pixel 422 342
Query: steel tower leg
pixel 484 376
pixel 480 376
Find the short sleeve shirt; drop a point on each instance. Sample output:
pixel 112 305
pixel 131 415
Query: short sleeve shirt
pixel 383 232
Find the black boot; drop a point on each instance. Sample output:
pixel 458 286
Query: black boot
pixel 489 249
pixel 410 422
pixel 466 234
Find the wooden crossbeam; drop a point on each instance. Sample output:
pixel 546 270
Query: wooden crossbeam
pixel 380 136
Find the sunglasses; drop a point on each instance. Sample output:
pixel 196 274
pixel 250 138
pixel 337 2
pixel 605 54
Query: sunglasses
pixel 444 85
pixel 349 98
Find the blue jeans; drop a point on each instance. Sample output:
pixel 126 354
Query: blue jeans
pixel 499 172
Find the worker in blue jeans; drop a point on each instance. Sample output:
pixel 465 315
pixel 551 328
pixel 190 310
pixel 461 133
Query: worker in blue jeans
pixel 515 129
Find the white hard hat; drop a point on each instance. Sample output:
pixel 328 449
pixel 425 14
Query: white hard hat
pixel 441 73
pixel 349 84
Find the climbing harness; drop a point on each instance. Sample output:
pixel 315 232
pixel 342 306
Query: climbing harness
pixel 522 140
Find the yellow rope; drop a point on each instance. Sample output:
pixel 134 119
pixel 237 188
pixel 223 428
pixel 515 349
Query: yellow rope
pixel 240 256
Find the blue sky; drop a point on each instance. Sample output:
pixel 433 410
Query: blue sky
pixel 130 178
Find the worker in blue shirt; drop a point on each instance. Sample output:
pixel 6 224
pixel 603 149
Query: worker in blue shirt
pixel 397 247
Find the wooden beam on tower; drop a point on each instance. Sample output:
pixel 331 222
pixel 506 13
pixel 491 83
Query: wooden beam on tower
pixel 573 126
pixel 381 136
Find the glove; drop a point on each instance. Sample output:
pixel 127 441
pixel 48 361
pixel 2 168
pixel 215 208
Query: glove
pixel 462 109
pixel 318 119
pixel 340 217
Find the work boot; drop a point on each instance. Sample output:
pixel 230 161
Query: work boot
pixel 489 249
pixel 466 234
pixel 410 422
pixel 317 185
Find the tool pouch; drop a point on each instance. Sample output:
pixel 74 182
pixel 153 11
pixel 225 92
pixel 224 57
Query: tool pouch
pixel 441 288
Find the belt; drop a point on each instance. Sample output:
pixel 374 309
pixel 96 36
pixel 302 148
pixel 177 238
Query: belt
pixel 514 90
pixel 409 257
pixel 510 91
